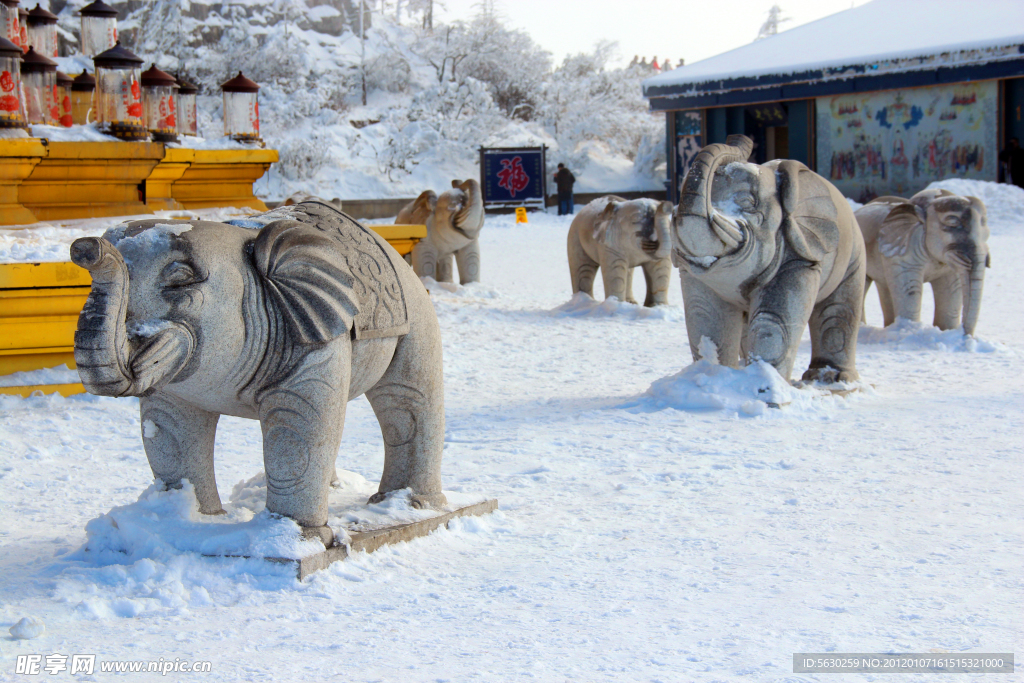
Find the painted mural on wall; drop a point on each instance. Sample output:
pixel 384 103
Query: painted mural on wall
pixel 688 141
pixel 896 142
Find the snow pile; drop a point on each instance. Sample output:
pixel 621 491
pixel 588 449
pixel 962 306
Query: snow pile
pixel 162 524
pixel 582 305
pixel 909 334
pixel 707 385
pixel 1004 203
pixel 27 628
pixel 81 133
pixel 61 374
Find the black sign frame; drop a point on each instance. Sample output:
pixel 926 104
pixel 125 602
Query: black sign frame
pixel 532 162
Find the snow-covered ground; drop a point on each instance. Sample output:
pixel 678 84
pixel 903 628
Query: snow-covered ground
pixel 636 541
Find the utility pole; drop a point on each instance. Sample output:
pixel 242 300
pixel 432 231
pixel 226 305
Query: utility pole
pixel 362 52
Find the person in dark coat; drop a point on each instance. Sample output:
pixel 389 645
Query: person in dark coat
pixel 1013 157
pixel 564 180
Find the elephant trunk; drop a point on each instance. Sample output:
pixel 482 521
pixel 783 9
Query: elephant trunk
pixel 698 228
pixel 973 282
pixel 470 218
pixel 102 349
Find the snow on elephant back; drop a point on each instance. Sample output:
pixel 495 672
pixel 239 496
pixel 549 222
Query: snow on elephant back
pixel 282 317
pixel 763 252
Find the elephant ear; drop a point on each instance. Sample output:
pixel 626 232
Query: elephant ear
pixel 899 228
pixel 300 270
pixel 602 223
pixel 810 220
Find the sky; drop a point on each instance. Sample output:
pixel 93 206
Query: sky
pixel 688 29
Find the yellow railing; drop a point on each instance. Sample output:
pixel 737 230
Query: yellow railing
pixel 40 303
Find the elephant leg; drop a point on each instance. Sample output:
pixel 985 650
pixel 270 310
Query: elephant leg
pixel 615 274
pixel 629 286
pixel 582 268
pixel 708 315
pixel 885 300
pixel 424 259
pixel 779 313
pixel 863 307
pixel 657 275
pixel 178 438
pixel 906 284
pixel 409 404
pixel 949 301
pixel 445 269
pixel 302 418
pixel 834 323
pixel 468 260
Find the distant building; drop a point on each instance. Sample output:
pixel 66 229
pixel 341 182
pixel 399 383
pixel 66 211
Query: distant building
pixel 881 99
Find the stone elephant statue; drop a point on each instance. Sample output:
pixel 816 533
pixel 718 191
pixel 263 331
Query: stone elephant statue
pixel 617 235
pixel 282 317
pixel 763 251
pixel 453 221
pixel 937 237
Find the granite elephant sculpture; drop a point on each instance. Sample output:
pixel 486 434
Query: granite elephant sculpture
pixel 282 317
pixel 453 221
pixel 936 237
pixel 617 235
pixel 763 251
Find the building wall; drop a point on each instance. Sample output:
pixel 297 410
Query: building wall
pixel 1013 106
pixel 895 142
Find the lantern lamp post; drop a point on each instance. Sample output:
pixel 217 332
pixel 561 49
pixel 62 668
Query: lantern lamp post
pixel 241 109
pixel 118 109
pixel 10 22
pixel 39 79
pixel 160 105
pixel 188 120
pixel 82 89
pixel 23 28
pixel 42 31
pixel 11 114
pixel 99 28
pixel 63 98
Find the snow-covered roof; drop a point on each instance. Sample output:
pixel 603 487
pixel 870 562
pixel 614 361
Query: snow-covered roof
pixel 905 34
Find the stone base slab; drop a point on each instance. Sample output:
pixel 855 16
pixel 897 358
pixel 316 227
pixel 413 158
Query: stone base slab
pixel 369 541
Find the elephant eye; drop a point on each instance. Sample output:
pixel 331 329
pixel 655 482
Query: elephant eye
pixel 951 221
pixel 178 274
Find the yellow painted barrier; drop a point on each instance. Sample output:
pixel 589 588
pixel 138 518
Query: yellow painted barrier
pixel 40 303
pixel 47 181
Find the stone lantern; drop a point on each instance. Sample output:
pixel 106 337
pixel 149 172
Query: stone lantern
pixel 42 31
pixel 11 114
pixel 160 104
pixel 99 28
pixel 63 98
pixel 82 97
pixel 241 109
pixel 10 22
pixel 39 81
pixel 118 109
pixel 188 120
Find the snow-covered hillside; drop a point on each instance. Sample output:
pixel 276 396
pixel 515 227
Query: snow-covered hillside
pixel 643 535
pixel 433 96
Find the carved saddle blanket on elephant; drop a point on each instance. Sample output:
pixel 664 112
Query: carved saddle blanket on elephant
pixel 367 296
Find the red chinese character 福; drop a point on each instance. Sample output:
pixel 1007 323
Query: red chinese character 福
pixel 512 176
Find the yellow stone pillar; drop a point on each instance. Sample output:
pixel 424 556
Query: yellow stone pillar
pixel 159 184
pixel 223 177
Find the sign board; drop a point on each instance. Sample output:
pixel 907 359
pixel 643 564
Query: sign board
pixel 688 143
pixel 513 176
pixel 521 215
